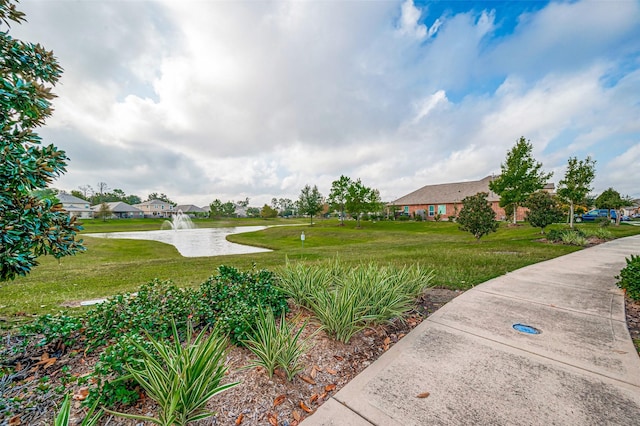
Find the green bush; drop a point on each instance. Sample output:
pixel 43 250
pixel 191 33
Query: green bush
pixel 232 299
pixel 601 232
pixel 181 379
pixel 347 299
pixel 276 344
pixel 629 278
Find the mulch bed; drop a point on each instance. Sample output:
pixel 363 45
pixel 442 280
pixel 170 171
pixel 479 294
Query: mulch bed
pixel 258 400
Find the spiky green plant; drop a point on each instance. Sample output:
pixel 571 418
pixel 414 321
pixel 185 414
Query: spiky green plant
pixel 276 344
pixel 63 417
pixel 181 379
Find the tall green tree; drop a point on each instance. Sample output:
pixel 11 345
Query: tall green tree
pixel 576 183
pixel 310 201
pixel 104 212
pixel 29 226
pixel 361 199
pixel 521 176
pixel 338 195
pixel 477 216
pixel 611 199
pixel 543 210
pixel 268 212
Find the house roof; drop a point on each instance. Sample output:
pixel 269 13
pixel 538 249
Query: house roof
pixel 118 207
pixel 453 192
pixel 189 208
pixel 448 193
pixel 70 199
pixel 150 202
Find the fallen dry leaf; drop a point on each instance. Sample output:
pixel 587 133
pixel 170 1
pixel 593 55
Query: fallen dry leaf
pixel 15 421
pixel 308 380
pixel 279 400
pixel 313 398
pixel 330 387
pixel 305 408
pixel 296 415
pixel 423 395
pixel 314 371
pixel 273 419
pixel 338 357
pixel 81 394
pixel 323 396
pixel 386 343
pixel 331 371
pixel 239 419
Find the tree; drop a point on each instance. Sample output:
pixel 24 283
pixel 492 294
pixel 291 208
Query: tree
pixel 520 177
pixel 338 195
pixel 543 210
pixel 361 199
pixel 576 183
pixel 132 199
pixel 477 216
pixel 310 201
pixel 104 212
pixel 253 212
pixel 610 199
pixel 78 194
pixel 161 197
pixel 268 212
pixel 87 191
pixel 29 226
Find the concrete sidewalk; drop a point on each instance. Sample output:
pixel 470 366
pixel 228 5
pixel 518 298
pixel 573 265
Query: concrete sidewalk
pixel 582 369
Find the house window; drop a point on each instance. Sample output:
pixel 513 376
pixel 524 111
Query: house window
pixel 162 207
pixel 406 209
pixel 442 209
pixel 432 210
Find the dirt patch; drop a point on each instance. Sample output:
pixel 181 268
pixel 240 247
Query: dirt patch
pixel 632 310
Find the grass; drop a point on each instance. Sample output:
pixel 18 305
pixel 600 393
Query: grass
pixel 111 266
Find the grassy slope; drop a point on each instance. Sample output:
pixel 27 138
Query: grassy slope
pixel 114 266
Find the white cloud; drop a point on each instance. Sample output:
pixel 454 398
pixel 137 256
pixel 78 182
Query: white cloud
pixel 256 99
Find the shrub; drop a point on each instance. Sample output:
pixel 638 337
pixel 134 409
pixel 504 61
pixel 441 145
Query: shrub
pixel 276 345
pixel 181 379
pixel 232 299
pixel 346 299
pixel 59 329
pixel 574 238
pixel 477 216
pixel 600 233
pixel 629 278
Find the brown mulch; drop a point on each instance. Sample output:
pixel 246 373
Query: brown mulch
pixel 257 400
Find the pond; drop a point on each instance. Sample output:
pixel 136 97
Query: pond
pixel 199 242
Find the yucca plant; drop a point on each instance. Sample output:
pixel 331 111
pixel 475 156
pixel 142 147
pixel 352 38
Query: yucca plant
pixel 276 344
pixel 345 299
pixel 63 417
pixel 181 379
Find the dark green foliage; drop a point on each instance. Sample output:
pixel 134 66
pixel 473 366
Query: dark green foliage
pixel 232 299
pixel 477 216
pixel 612 200
pixel 576 183
pixel 310 201
pixel 361 199
pixel 629 278
pixel 59 329
pixel 543 210
pixel 338 195
pixel 520 176
pixel 29 226
pixel 558 235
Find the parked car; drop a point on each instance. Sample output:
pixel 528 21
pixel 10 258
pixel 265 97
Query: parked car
pixel 594 214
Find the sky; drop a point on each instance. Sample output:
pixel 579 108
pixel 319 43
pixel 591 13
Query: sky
pixel 205 100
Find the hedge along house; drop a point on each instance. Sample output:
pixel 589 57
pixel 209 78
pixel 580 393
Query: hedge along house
pixel 444 201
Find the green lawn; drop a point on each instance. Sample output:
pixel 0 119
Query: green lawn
pixel 114 266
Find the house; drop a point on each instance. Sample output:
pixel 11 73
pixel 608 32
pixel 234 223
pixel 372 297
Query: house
pixel 445 200
pixel 191 210
pixel 75 206
pixel 156 208
pixel 120 210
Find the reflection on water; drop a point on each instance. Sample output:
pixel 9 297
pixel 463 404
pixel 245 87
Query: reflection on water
pixel 200 242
